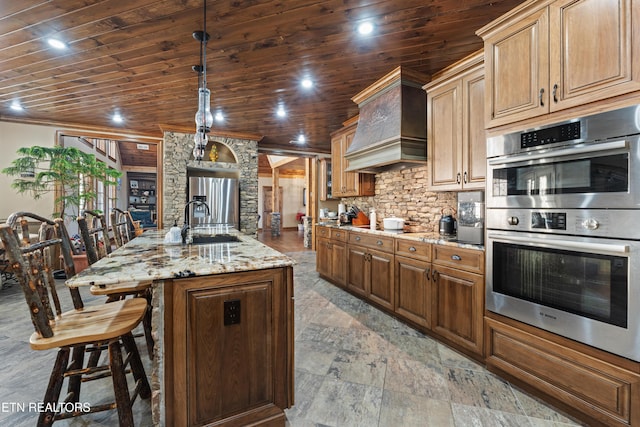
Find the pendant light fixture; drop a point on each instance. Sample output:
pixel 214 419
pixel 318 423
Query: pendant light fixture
pixel 204 118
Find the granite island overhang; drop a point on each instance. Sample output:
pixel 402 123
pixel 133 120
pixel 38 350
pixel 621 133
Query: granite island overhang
pixel 222 324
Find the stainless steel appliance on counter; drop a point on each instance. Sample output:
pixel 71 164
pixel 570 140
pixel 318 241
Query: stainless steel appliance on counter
pixel 563 242
pixel 471 217
pixel 222 195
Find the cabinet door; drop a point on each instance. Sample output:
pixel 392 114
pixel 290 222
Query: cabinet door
pixel 324 186
pixel 336 164
pixel 517 69
pixel 358 271
pixel 413 290
pixel 458 306
pixel 381 289
pixel 323 257
pixel 444 135
pixel 350 180
pixel 592 51
pixel 339 263
pixel 474 140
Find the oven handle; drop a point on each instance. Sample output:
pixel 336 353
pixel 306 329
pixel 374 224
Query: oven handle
pixel 605 146
pixel 583 246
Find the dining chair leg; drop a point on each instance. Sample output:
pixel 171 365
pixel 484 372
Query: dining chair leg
pixel 75 381
pixel 146 324
pixel 120 387
pixel 52 394
pixel 137 369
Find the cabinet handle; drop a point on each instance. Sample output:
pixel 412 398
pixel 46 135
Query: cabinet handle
pixel 337 234
pixel 358 238
pixel 426 273
pixel 458 178
pixel 435 275
pixel 555 93
pixel 379 243
pixel 465 177
pixel 412 249
pixel 456 257
pixel 540 97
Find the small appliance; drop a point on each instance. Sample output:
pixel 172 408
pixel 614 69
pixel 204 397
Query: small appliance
pixel 471 217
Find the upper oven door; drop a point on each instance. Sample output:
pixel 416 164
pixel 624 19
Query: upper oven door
pixel 587 175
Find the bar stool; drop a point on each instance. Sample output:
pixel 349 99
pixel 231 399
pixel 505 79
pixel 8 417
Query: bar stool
pixel 75 331
pixel 120 226
pixel 98 245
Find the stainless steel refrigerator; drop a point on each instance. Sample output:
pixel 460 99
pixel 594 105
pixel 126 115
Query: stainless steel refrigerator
pixel 222 195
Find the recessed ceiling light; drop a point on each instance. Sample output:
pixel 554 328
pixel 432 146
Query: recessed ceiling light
pixel 307 83
pixel 58 44
pixel 117 118
pixel 219 117
pixel 301 139
pixel 280 112
pixel 15 106
pixel 365 28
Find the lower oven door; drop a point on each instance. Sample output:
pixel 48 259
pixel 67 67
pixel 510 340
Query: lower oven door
pixel 585 289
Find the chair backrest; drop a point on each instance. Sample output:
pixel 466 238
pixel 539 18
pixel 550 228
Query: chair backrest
pixel 95 235
pixel 33 265
pixel 120 225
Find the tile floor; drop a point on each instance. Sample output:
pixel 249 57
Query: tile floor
pixel 355 366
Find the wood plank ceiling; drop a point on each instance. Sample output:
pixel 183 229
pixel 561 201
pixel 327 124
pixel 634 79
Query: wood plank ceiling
pixel 135 57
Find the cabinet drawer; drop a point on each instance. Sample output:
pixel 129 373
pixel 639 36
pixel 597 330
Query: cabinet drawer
pixel 380 243
pixel 461 258
pixel 340 235
pixel 413 249
pixel 322 231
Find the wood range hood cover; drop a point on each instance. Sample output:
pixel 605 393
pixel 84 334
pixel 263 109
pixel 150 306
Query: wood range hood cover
pixel 392 127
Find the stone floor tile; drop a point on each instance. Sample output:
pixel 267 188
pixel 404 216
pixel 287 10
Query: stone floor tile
pixel 360 368
pixel 465 415
pixel 481 389
pixel 410 410
pixel 412 377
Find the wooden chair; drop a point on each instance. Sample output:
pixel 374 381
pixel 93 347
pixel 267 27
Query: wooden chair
pixel 76 331
pixel 97 245
pixel 121 226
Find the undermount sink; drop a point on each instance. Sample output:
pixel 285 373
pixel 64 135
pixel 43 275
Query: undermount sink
pixel 215 238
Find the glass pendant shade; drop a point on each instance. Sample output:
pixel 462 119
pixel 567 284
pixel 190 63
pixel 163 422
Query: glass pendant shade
pixel 204 118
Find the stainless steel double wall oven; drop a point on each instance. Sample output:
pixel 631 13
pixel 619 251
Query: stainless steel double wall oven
pixel 563 229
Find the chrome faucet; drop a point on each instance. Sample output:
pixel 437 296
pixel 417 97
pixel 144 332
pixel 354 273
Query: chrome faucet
pixel 185 227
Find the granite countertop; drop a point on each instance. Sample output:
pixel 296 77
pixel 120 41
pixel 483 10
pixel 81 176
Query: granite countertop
pixel 147 257
pixel 427 237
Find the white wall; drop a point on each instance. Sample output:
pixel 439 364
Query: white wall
pixel 291 199
pixel 12 137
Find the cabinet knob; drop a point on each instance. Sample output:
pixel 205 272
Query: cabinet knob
pixel 456 257
pixel 358 238
pixel 412 249
pixel 337 234
pixel 379 243
pixel 465 177
pixel 555 93
pixel 540 97
pixel 458 178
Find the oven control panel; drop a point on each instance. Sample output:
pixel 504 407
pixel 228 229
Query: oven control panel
pixel 549 220
pixel 611 223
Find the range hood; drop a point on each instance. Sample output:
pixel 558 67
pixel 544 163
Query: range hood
pixel 392 127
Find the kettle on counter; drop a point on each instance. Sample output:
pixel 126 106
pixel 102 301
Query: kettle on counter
pixel 447 222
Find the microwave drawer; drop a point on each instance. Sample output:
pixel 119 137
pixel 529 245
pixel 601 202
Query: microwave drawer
pixel 461 258
pixel 372 241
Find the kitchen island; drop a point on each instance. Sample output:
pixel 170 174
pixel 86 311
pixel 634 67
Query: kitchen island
pixel 222 324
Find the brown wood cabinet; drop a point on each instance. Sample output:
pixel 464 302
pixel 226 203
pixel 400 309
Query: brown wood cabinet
pixel 347 184
pixel 229 348
pixel 325 185
pixel 455 126
pixel 580 379
pixel 545 56
pixel 413 282
pixel 371 268
pixel 458 296
pixel 331 254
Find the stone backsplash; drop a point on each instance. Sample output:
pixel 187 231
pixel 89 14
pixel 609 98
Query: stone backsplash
pixel 403 194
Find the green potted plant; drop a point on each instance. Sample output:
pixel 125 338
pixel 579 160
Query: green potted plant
pixel 66 171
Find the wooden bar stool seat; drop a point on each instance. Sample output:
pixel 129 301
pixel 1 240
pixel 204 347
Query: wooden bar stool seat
pixel 98 245
pixel 74 332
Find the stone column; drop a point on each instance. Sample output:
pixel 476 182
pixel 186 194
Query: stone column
pixel 275 224
pixel 308 232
